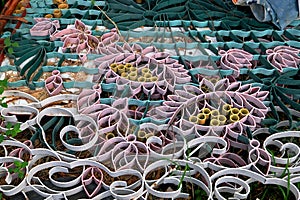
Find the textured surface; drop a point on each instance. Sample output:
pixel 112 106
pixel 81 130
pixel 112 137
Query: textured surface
pixel 189 97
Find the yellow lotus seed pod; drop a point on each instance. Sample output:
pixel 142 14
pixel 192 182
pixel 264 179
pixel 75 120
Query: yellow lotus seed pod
pixel 109 135
pixel 204 88
pixel 226 109
pixel 141 134
pixel 145 70
pixel 214 122
pixel 214 114
pixel 147 75
pixel 193 119
pixel 114 67
pixel 243 112
pixel 133 69
pixel 234 118
pixel 153 78
pixel 141 79
pixel 222 119
pixel 234 111
pixel 121 68
pixel 124 74
pixel 214 80
pixel 133 76
pixel 206 112
pixel 201 118
pixel 127 67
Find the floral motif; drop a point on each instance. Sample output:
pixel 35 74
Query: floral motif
pixel 54 83
pixel 78 40
pixel 192 100
pixel 106 116
pixel 235 59
pixel 44 27
pixel 152 126
pixel 125 153
pixel 167 72
pixel 283 56
pixel 92 174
